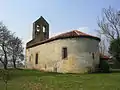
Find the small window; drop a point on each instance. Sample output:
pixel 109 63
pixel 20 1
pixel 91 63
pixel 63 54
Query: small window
pixel 38 28
pixel 64 52
pixel 36 58
pixel 93 56
pixel 44 29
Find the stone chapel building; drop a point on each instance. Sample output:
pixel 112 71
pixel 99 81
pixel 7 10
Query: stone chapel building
pixel 69 52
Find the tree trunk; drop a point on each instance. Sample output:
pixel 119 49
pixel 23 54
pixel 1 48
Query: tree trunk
pixel 5 62
pixel 6 86
pixel 14 63
pixel 5 66
pixel 5 57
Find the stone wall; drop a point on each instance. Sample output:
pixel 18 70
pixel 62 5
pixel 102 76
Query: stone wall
pixel 80 55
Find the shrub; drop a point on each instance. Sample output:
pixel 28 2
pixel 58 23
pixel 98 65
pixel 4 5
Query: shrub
pixel 104 66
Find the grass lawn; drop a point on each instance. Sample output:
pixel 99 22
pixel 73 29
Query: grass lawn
pixel 36 80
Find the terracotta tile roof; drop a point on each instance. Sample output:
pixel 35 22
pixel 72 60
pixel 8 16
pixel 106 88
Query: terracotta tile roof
pixel 73 33
pixel 70 34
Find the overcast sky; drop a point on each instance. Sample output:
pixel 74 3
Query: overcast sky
pixel 62 15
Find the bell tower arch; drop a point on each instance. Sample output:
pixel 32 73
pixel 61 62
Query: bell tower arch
pixel 40 30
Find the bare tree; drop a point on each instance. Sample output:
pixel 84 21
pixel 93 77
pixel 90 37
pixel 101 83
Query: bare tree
pixel 10 47
pixel 16 49
pixel 4 46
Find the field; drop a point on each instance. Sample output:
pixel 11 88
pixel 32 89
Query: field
pixel 36 80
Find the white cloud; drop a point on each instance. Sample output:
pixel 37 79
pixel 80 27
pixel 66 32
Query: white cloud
pixel 84 29
pixel 87 30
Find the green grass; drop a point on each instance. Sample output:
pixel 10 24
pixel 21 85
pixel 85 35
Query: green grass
pixel 36 80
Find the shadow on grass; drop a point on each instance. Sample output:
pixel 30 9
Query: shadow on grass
pixel 111 71
pixel 115 71
pixel 17 73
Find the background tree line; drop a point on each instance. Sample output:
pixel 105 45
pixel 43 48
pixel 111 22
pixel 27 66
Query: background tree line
pixel 11 48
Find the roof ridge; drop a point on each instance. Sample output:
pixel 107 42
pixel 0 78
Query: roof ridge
pixel 81 32
pixel 76 32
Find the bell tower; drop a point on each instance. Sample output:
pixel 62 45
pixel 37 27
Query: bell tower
pixel 40 30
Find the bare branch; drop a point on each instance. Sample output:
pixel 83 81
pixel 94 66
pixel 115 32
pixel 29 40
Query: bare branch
pixel 110 23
